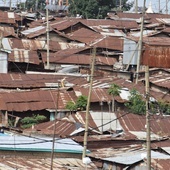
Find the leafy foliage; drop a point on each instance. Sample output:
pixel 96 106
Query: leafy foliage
pixel 95 8
pixel 114 90
pixel 136 103
pixel 29 121
pixel 164 108
pixel 81 102
pixel 70 106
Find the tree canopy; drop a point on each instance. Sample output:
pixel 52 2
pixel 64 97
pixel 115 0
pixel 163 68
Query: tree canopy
pixel 136 103
pixel 95 8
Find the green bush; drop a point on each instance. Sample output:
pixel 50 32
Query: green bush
pixel 29 121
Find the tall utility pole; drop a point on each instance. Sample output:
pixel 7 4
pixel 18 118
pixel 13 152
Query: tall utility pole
pixel 54 128
pixel 88 103
pixel 36 5
pixel 120 7
pixel 166 6
pixel 10 5
pixel 47 31
pixel 159 6
pixel 140 43
pixel 148 140
pixel 136 6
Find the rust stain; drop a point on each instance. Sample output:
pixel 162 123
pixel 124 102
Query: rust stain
pixel 156 56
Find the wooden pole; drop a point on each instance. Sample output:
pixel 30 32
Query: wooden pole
pixel 136 6
pixel 140 43
pixel 88 104
pixel 159 6
pixel 120 7
pixel 148 140
pixel 47 31
pixel 167 6
pixel 54 128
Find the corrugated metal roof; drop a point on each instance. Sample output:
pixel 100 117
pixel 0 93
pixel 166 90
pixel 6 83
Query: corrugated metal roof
pixel 129 158
pixel 9 17
pixel 161 80
pixel 160 164
pixel 157 55
pixel 78 59
pixel 113 43
pixel 63 128
pixel 24 56
pixel 44 164
pixel 85 35
pixel 8 31
pixel 38 144
pixel 35 100
pixel 37 80
pixel 133 122
pixel 110 23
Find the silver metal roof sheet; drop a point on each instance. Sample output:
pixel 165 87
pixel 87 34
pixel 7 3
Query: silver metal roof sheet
pixel 23 143
pixel 128 158
pixel 31 30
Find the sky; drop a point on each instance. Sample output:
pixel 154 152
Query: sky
pixel 155 5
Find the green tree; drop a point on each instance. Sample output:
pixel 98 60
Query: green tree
pixel 164 108
pixel 81 102
pixel 114 90
pixel 71 106
pixel 136 103
pixel 27 122
pixel 95 8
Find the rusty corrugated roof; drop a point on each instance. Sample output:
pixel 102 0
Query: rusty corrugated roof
pixel 157 55
pixel 160 79
pixel 85 35
pixel 9 17
pixel 113 43
pixel 81 59
pixel 133 122
pixel 160 164
pixel 7 31
pixel 24 81
pixel 63 128
pixel 122 24
pixel 24 56
pixel 35 100
pixel 11 163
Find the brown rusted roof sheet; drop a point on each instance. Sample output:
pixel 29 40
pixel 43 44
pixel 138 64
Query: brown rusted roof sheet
pixel 7 31
pixel 26 44
pixel 63 128
pixel 85 35
pixel 157 56
pixel 113 43
pixel 11 163
pixel 82 59
pixel 160 164
pixel 9 17
pixel 111 23
pixel 63 24
pixel 24 81
pixel 160 79
pixel 81 118
pixel 24 56
pixel 97 95
pixel 133 122
pixel 152 17
pixel 35 100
